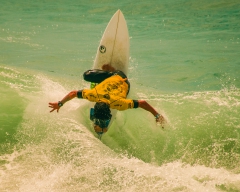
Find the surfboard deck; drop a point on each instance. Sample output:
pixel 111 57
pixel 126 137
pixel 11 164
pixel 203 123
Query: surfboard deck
pixel 114 45
pixel 113 49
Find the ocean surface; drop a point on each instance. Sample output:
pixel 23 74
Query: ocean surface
pixel 184 60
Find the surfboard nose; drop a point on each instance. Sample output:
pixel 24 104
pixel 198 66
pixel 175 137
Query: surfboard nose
pixel 119 12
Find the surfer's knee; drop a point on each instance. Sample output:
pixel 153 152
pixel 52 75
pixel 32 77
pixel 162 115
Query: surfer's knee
pixel 108 67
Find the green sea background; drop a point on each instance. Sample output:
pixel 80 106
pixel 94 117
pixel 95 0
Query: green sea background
pixel 184 60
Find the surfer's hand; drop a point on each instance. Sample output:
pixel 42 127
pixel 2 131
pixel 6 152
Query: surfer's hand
pixel 161 120
pixel 54 106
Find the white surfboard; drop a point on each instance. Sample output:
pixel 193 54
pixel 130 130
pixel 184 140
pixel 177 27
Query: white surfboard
pixel 114 45
pixel 114 48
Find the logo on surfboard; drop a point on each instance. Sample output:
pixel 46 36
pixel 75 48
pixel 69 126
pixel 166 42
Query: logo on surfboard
pixel 102 49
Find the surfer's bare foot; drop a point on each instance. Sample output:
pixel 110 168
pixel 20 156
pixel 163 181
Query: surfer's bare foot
pixel 108 67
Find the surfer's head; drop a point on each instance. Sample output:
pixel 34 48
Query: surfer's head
pixel 101 117
pixel 102 111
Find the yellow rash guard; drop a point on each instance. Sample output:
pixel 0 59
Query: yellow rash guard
pixel 113 91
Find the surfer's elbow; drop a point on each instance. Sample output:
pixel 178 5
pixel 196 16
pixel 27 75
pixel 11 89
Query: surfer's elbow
pixel 72 94
pixel 142 103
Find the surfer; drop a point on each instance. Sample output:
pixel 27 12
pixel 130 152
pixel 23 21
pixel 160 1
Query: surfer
pixel 110 92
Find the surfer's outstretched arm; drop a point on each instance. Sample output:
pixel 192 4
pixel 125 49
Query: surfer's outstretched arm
pixel 57 105
pixel 145 105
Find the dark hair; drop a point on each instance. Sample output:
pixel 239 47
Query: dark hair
pixel 102 111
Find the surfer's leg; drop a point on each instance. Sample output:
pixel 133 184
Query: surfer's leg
pixel 96 75
pixel 108 67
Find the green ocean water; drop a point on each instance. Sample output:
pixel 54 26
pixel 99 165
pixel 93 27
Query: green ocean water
pixel 184 60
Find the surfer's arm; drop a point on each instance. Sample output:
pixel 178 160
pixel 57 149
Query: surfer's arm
pixel 145 105
pixel 69 96
pixel 57 105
